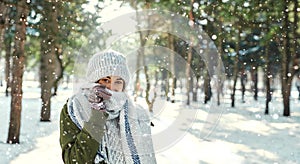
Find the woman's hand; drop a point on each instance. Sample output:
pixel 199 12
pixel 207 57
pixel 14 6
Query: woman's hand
pixel 96 96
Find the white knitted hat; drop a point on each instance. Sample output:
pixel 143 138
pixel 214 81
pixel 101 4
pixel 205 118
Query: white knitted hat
pixel 107 63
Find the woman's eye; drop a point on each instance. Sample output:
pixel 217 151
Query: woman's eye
pixel 119 82
pixel 105 81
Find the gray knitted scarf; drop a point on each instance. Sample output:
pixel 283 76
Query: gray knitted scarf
pixel 127 138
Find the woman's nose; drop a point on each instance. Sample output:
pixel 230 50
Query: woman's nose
pixel 113 88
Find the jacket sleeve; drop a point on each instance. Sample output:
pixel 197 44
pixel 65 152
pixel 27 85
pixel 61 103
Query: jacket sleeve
pixel 77 145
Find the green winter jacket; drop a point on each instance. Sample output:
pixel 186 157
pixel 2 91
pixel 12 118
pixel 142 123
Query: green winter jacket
pixel 77 145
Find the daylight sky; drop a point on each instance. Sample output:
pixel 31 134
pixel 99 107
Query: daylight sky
pixel 111 9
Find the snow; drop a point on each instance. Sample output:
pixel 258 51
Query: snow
pixel 242 135
pixel 38 140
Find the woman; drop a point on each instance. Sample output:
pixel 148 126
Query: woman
pixel 100 124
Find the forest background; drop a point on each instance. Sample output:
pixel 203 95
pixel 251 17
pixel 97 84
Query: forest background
pixel 257 41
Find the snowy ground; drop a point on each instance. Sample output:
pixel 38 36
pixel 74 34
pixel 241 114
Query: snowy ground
pixel 243 135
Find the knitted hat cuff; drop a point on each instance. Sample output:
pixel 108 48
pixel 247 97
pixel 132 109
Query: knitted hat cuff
pixel 120 71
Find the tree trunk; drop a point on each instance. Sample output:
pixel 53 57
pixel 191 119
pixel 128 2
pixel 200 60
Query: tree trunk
pixel 195 90
pixel 174 81
pixel 289 52
pixel 254 78
pixel 48 58
pixel 189 56
pixel 296 27
pixel 235 74
pixel 137 79
pixel 149 101
pixel 60 69
pixel 140 58
pixel 4 17
pixel 220 50
pixel 207 87
pixel 188 74
pixel 7 65
pixel 148 85
pixel 287 57
pixel 268 95
pixel 243 87
pixel 267 79
pixel 47 81
pixel 141 54
pixel 286 99
pixel 165 84
pixel 172 66
pixel 17 73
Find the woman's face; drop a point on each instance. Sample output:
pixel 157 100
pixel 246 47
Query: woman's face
pixel 114 83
